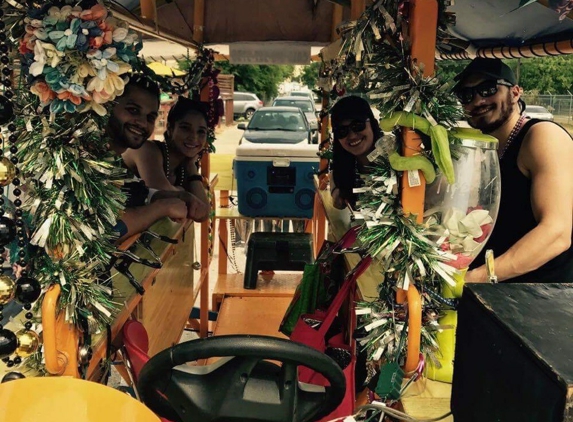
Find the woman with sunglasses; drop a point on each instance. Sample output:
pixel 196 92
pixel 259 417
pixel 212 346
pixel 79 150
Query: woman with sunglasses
pixel 174 164
pixel 533 233
pixel 355 131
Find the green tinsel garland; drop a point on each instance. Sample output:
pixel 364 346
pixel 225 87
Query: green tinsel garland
pixel 375 61
pixel 73 186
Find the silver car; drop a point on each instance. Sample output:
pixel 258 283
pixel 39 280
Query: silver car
pixel 245 104
pixel 307 107
pixel 538 112
pixel 276 125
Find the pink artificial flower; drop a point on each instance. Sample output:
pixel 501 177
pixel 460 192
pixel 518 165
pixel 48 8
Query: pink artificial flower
pixel 43 91
pixel 107 29
pixel 68 96
pixel 95 42
pixel 23 46
pixel 96 13
pixel 101 97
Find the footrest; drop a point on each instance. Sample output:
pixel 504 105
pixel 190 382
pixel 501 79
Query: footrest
pixel 276 251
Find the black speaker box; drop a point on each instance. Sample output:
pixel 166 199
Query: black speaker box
pixel 514 354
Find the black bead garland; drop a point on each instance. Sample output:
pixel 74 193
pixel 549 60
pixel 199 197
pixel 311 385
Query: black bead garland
pixel 12 226
pixel 28 290
pixel 12 376
pixel 8 343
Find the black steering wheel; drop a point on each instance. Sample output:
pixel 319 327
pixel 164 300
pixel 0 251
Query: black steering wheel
pixel 241 386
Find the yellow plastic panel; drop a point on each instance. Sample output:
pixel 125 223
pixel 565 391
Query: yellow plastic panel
pixel 447 338
pixel 66 399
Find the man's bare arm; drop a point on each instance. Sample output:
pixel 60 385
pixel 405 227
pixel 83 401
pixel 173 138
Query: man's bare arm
pixel 139 219
pixel 546 157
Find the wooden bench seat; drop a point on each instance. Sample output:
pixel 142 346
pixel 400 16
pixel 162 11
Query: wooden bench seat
pixel 251 315
pixel 231 285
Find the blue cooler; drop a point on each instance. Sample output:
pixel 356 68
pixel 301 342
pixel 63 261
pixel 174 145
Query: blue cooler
pixel 276 180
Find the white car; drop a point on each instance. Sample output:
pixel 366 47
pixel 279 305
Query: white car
pixel 538 112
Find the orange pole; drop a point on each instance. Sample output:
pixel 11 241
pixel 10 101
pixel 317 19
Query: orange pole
pixel 357 7
pixel 198 21
pixel 423 30
pixel 422 34
pixel 205 226
pixel 336 19
pixel 414 329
pixel 148 9
pixel 61 339
pixel 223 234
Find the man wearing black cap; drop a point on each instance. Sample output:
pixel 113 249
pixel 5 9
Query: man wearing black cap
pixel 532 236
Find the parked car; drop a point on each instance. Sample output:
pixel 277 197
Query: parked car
pixel 307 107
pixel 276 125
pixel 245 104
pixel 538 112
pixel 306 94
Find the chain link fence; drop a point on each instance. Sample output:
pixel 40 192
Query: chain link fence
pixel 560 105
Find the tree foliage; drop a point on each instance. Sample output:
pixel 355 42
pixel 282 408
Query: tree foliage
pixel 262 80
pixel 551 75
pixel 448 69
pixel 309 75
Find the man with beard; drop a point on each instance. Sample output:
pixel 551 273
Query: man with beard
pixel 532 237
pixel 131 123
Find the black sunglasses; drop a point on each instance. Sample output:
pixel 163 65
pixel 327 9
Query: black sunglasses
pixel 355 126
pixel 486 89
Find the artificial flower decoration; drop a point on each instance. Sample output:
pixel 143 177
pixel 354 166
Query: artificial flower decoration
pixel 44 92
pixel 76 57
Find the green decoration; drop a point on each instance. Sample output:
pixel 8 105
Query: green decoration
pixel 74 64
pixel 374 61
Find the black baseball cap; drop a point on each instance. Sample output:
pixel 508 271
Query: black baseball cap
pixel 493 68
pixel 351 108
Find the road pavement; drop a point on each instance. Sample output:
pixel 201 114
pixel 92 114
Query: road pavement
pixel 227 138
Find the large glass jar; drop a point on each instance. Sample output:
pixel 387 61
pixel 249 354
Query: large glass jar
pixel 460 217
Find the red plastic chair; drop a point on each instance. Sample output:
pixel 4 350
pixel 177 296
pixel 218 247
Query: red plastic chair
pixel 136 343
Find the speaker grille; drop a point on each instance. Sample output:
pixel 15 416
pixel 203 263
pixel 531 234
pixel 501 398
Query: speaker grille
pixel 304 199
pixel 256 198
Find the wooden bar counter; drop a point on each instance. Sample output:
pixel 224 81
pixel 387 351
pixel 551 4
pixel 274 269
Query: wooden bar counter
pixel 426 398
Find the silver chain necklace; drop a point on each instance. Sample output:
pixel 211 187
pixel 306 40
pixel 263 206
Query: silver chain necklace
pixel 513 135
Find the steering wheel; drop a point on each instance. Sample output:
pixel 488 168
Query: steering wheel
pixel 241 386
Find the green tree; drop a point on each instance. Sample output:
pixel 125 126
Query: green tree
pixel 309 75
pixel 547 74
pixel 446 70
pixel 262 80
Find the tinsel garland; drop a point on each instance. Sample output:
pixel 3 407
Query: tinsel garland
pixel 75 60
pixel 374 60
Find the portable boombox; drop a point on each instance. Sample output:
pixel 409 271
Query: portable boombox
pixel 276 180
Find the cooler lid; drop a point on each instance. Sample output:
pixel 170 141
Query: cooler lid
pixel 277 150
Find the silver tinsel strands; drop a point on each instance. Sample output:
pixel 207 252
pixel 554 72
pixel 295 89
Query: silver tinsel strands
pixel 395 240
pixel 374 60
pixel 75 196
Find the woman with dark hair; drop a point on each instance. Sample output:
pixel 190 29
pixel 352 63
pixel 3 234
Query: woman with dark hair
pixel 355 131
pixel 174 164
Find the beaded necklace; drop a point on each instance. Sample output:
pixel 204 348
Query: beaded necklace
pixel 512 135
pixel 168 168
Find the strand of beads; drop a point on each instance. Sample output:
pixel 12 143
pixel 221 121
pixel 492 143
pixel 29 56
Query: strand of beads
pixel 25 290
